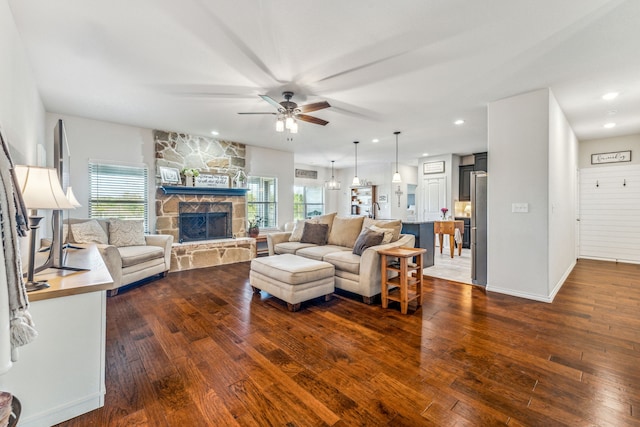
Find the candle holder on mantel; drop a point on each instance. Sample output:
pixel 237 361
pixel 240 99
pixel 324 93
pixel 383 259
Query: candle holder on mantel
pixel 240 180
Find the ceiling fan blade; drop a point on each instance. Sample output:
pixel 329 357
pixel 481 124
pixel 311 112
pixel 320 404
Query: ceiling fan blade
pixel 311 119
pixel 273 114
pixel 271 101
pixel 314 107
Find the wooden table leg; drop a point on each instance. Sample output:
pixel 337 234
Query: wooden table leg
pixel 404 297
pixel 451 244
pixel 459 248
pixel 441 237
pixel 383 263
pixel 419 277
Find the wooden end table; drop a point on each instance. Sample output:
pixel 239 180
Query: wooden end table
pixel 405 286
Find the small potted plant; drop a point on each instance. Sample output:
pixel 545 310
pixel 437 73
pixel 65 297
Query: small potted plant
pixel 189 174
pixel 254 226
pixel 444 212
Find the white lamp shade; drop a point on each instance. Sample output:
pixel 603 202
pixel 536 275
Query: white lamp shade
pixel 294 127
pixel 41 188
pixel 356 181
pixel 72 198
pixel 396 178
pixel 279 125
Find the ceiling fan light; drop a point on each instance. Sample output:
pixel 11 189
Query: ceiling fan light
pixel 288 122
pixel 294 127
pixel 396 178
pixel 279 125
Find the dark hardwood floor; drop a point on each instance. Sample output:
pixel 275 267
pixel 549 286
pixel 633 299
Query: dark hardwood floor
pixel 199 349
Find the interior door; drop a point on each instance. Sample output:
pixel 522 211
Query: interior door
pixel 434 198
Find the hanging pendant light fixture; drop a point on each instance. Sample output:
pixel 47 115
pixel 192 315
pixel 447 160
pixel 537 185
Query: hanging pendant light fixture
pixel 396 176
pixel 332 184
pixel 356 180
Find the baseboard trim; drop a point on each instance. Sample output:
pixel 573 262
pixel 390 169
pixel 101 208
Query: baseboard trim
pixel 64 412
pixel 518 294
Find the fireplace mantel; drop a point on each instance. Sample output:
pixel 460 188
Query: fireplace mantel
pixel 206 191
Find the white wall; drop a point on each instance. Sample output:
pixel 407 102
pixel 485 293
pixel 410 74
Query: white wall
pixel 98 140
pixel 532 159
pixel 22 125
pixel 518 146
pixel 279 164
pixel 607 145
pixel 563 188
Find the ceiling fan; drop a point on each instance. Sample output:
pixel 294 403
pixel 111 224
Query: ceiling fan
pixel 289 112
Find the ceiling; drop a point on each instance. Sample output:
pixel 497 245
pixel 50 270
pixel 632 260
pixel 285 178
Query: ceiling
pixel 408 65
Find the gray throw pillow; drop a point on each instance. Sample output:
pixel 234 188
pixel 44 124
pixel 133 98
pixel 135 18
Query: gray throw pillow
pixel 315 233
pixel 366 239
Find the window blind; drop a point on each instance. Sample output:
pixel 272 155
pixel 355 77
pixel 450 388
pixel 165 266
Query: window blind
pixel 118 191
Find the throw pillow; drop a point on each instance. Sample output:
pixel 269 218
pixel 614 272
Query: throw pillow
pixel 366 239
pixel 325 219
pixel 315 233
pixel 126 232
pixel 296 234
pixel 345 231
pixel 89 232
pixel 387 232
pixel 395 225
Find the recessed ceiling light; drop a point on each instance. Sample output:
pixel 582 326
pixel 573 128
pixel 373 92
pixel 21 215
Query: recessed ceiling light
pixel 425 154
pixel 610 125
pixel 215 132
pixel 374 140
pixel 609 96
pixel 459 122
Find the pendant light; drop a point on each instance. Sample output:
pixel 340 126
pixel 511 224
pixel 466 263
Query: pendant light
pixel 332 184
pixel 356 180
pixel 396 176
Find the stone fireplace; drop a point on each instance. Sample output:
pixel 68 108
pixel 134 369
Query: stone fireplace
pixel 208 224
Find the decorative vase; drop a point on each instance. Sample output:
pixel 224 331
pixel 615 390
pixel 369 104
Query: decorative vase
pixel 254 231
pixel 188 181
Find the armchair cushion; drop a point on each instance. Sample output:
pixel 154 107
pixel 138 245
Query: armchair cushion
pixel 126 233
pixel 89 232
pixel 134 255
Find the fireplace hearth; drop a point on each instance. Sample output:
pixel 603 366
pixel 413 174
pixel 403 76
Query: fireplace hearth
pixel 204 221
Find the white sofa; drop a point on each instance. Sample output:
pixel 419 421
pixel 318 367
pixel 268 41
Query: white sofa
pixel 360 274
pixel 129 264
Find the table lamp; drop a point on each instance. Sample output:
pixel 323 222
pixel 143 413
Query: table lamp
pixel 40 189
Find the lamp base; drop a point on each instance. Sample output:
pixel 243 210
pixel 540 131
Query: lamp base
pixel 36 286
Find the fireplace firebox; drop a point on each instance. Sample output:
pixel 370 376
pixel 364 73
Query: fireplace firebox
pixel 204 221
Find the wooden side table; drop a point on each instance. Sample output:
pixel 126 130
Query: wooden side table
pixel 406 287
pixel 261 245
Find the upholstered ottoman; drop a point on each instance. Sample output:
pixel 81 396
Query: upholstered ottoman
pixel 292 278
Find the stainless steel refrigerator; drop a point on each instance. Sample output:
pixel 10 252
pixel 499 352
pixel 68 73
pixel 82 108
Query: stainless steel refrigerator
pixel 479 228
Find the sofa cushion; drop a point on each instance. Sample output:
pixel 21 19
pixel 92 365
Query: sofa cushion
pixel 315 233
pixel 386 232
pixel 290 247
pixel 126 232
pixel 133 255
pixel 395 225
pixel 326 219
pixel 319 252
pixel 89 232
pixel 298 228
pixel 344 261
pixel 366 239
pixel 345 231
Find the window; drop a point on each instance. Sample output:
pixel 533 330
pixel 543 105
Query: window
pixel 307 201
pixel 262 200
pixel 118 191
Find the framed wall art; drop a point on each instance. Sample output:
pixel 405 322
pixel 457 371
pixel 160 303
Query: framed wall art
pixel 433 167
pixel 169 175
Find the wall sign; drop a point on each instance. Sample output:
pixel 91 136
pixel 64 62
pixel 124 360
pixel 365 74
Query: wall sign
pixel 302 173
pixel 615 157
pixel 212 181
pixel 433 167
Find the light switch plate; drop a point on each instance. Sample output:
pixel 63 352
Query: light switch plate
pixel 520 207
